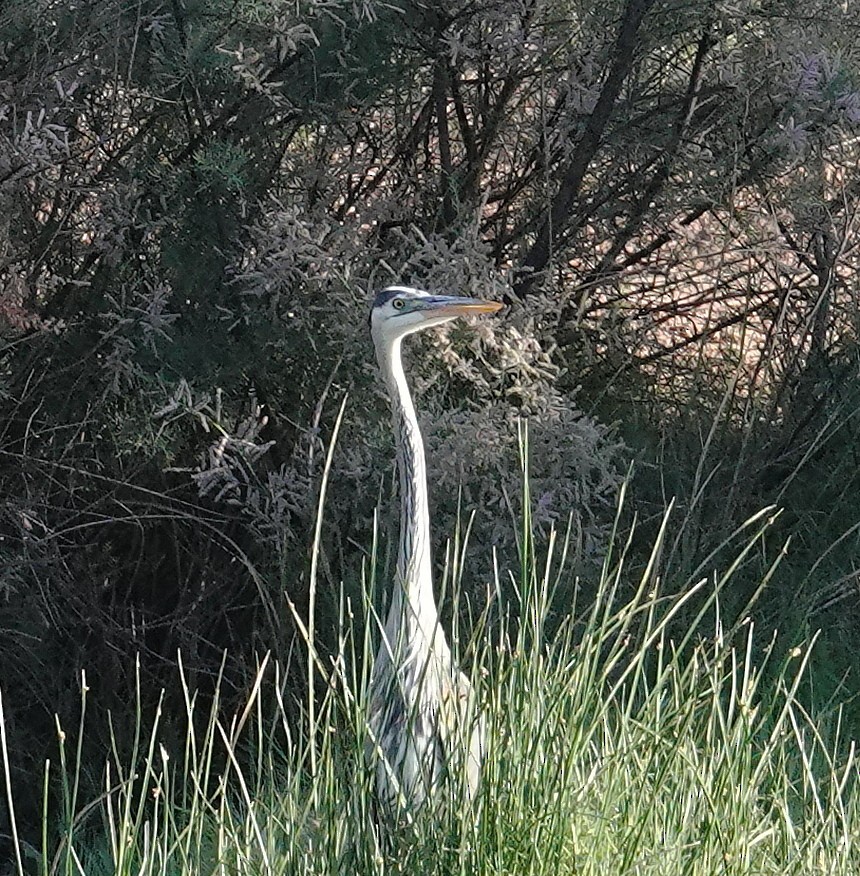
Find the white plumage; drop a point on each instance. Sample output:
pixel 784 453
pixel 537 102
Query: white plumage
pixel 423 718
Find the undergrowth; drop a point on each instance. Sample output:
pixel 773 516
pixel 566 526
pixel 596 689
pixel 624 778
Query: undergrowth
pixel 619 742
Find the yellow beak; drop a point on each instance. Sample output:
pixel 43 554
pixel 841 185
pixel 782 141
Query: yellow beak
pixel 453 305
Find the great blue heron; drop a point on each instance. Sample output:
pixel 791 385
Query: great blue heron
pixel 423 719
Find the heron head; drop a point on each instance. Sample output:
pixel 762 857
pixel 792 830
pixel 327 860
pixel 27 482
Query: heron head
pixel 398 311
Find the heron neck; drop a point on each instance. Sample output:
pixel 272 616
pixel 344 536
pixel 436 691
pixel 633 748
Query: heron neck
pixel 413 607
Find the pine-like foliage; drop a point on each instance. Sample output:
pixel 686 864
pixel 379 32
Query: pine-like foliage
pixel 197 198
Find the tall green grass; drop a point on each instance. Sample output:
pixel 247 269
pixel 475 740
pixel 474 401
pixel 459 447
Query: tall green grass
pixel 623 741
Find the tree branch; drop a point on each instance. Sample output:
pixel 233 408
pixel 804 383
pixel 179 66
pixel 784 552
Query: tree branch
pixel 537 258
pixel 440 101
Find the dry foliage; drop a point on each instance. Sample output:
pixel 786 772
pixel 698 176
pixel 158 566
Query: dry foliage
pixel 196 200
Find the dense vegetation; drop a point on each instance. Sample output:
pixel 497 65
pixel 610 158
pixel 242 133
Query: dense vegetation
pixel 612 747
pixel 196 201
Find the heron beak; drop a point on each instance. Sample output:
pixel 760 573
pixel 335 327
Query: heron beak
pixel 453 305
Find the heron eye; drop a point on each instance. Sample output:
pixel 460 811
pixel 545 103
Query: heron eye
pixel 398 304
